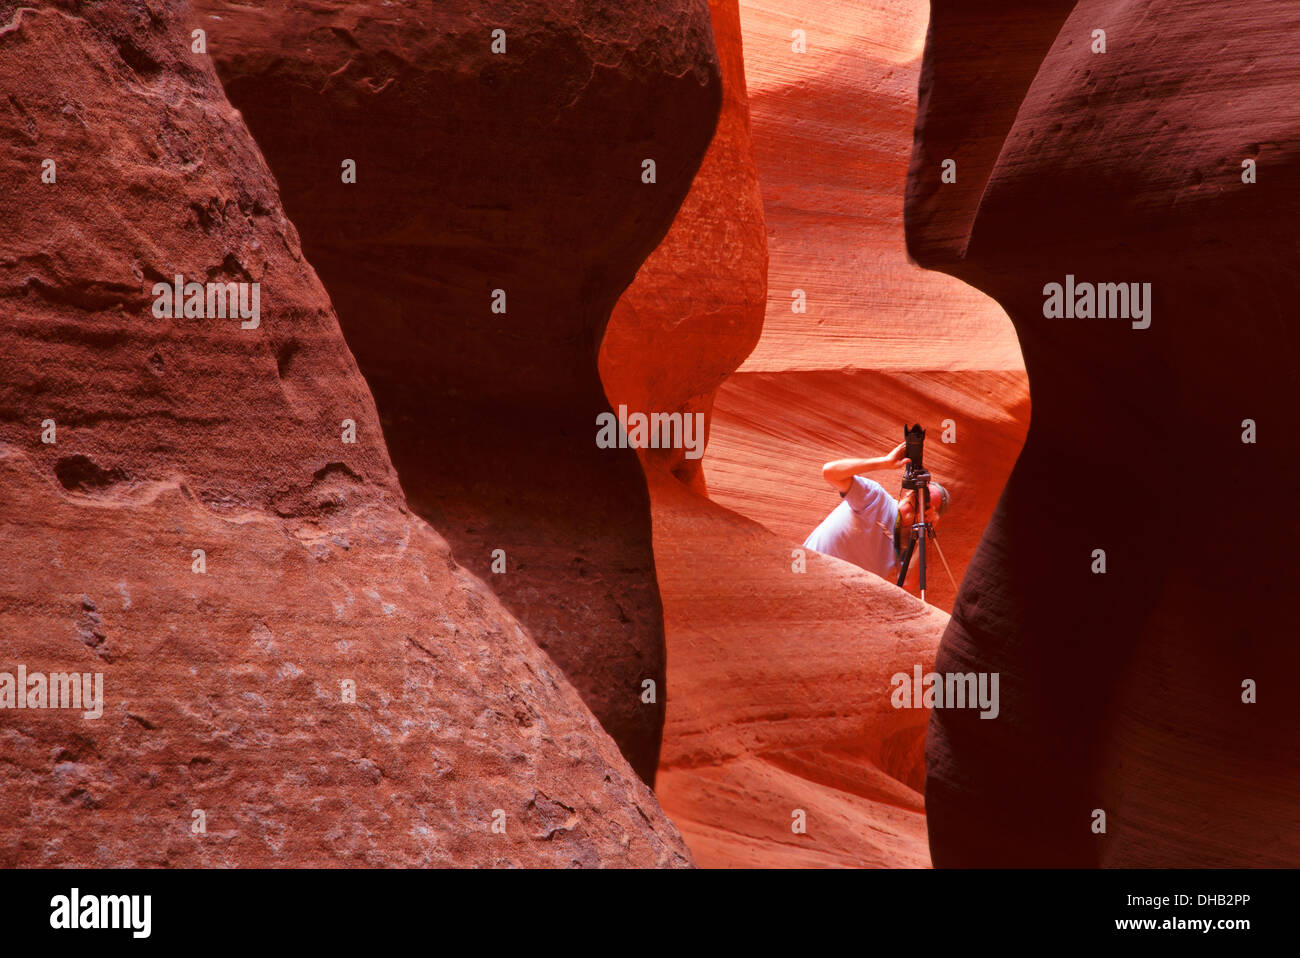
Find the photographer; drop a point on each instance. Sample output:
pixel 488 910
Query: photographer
pixel 869 527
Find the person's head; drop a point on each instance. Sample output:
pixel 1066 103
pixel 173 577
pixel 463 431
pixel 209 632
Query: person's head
pixel 939 502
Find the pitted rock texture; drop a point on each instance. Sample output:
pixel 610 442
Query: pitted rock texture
pixel 477 171
pixel 1123 691
pixel 226 690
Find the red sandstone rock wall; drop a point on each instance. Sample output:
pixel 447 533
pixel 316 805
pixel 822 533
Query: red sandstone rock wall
pixel 695 309
pixel 832 136
pixel 881 342
pixel 519 171
pixel 756 650
pixel 779 699
pixel 1124 690
pixel 224 689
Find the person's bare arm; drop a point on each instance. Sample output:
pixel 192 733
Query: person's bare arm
pixel 840 473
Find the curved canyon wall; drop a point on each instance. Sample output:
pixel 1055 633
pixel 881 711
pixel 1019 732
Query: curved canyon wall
pixel 294 669
pixel 779 705
pixel 781 747
pixel 876 341
pixel 501 205
pixel 206 513
pixel 695 309
pixel 1126 691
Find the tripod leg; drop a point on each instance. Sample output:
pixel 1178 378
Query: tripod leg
pixel 944 559
pixel 921 566
pixel 907 559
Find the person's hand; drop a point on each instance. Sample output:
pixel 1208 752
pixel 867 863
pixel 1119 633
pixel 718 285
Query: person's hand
pixel 896 457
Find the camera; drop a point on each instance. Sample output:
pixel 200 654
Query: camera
pixel 914 438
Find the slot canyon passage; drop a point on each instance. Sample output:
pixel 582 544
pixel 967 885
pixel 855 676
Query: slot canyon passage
pixel 581 576
pixel 778 683
pixel 790 147
pixel 1123 691
pixel 750 736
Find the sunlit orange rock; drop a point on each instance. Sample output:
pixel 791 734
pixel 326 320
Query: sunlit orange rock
pixel 876 341
pixel 781 747
pixel 695 309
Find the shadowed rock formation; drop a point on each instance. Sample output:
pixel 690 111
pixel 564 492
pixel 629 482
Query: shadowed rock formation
pixel 518 169
pixel 1123 691
pixel 227 685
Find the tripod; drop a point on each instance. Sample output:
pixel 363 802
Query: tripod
pixel 918 480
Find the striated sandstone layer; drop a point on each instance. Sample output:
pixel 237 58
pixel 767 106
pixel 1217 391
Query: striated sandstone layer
pixel 778 706
pixel 226 687
pixel 880 342
pixel 1123 691
pixel 778 702
pixel 832 136
pixel 780 698
pixel 777 428
pixel 511 178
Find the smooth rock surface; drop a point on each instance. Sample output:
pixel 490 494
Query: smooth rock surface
pixel 695 309
pixel 779 681
pixel 882 342
pixel 756 650
pixel 1123 691
pixel 832 134
pixel 779 699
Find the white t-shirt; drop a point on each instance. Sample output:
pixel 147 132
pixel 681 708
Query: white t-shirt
pixel 861 529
